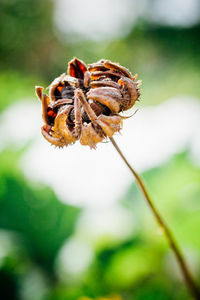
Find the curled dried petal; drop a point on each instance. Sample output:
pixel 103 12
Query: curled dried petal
pixel 108 96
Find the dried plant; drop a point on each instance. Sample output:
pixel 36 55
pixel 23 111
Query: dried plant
pixel 84 104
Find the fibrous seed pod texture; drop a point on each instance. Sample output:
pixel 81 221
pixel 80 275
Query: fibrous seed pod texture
pixel 84 103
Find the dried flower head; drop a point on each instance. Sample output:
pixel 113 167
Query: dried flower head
pixel 84 103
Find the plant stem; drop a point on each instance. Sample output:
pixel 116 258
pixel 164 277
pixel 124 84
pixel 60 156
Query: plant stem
pixel 173 244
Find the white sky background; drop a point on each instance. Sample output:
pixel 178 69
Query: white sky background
pixel 183 13
pixel 107 19
pixel 96 19
pixel 99 177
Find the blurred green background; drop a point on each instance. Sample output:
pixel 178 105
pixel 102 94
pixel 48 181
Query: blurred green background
pixel 44 254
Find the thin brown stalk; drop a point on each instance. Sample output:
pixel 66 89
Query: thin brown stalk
pixel 173 244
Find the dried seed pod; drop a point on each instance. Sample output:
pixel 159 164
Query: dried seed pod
pixel 84 104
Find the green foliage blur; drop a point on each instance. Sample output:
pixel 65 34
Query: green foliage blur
pixel 35 224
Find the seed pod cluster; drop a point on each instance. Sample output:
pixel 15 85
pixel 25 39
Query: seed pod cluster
pixel 84 103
